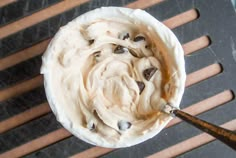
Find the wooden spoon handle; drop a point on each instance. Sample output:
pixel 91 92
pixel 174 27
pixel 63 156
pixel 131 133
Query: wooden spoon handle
pixel 226 136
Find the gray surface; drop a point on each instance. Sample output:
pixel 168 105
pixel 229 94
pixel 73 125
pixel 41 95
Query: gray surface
pixel 234 4
pixel 203 151
pixel 22 8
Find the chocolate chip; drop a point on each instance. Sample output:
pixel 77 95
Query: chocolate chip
pixel 148 73
pixel 120 49
pixel 141 86
pixel 139 38
pixel 91 41
pixel 147 47
pixel 97 54
pixel 133 53
pixel 123 125
pixel 126 36
pixel 91 126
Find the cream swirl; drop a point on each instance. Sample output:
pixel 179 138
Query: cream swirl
pixel 106 79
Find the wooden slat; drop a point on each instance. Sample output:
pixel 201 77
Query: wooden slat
pixel 205 105
pixel 37 144
pixel 40 47
pixel 24 117
pixel 6 2
pixel 197 44
pixel 203 74
pixel 190 143
pixel 23 55
pixel 21 88
pixel 93 152
pixel 141 4
pixel 68 4
pixel 181 19
pixel 39 17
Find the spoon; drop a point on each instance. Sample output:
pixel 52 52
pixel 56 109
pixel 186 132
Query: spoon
pixel 224 135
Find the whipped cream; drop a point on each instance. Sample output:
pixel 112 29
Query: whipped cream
pixel 109 73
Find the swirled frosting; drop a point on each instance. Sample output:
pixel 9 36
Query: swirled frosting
pixel 109 72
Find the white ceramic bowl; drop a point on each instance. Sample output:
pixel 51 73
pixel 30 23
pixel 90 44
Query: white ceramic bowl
pixel 167 43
